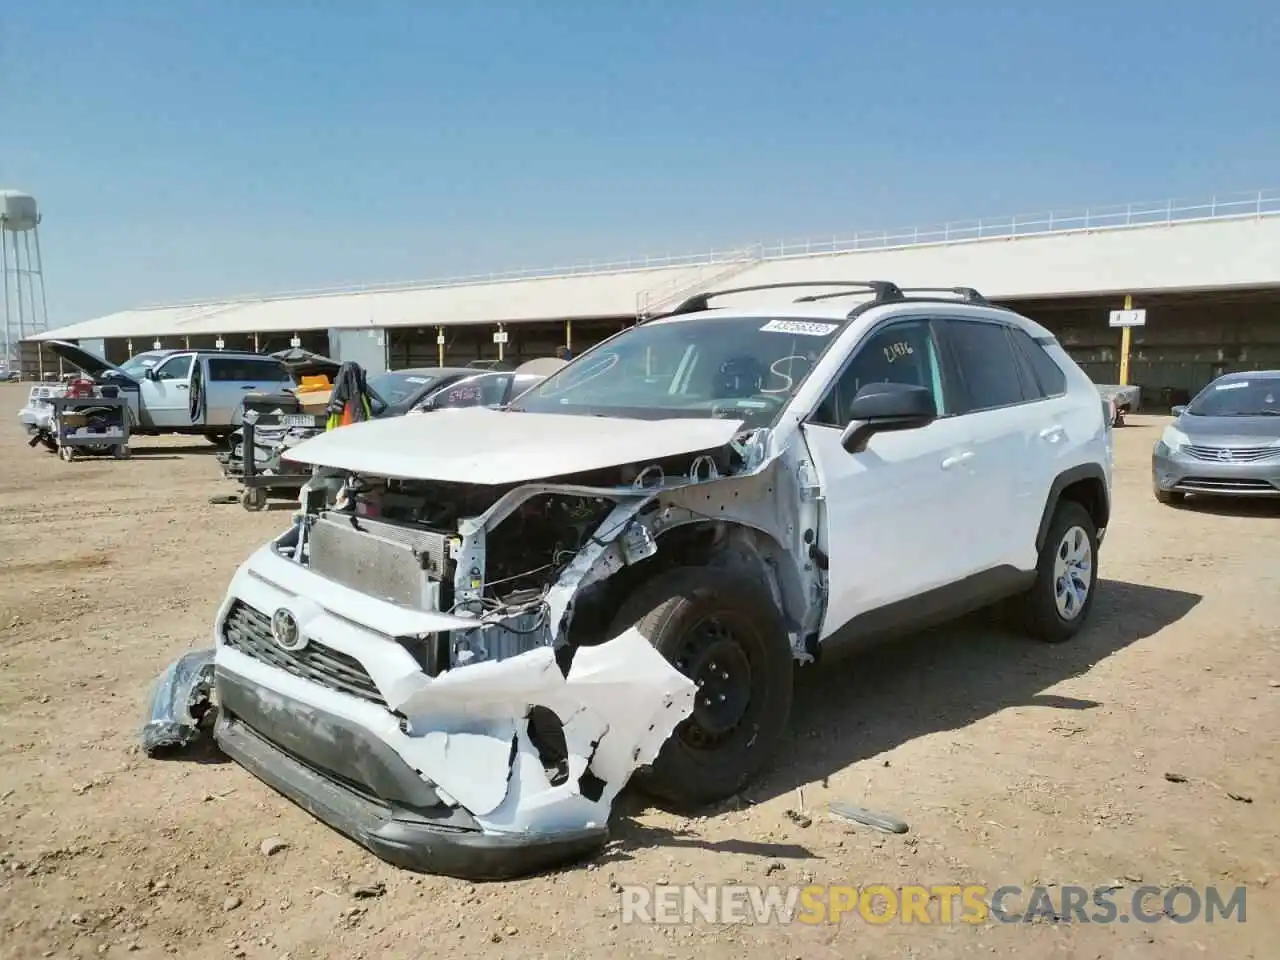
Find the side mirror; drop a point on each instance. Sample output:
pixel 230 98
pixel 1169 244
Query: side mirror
pixel 1179 410
pixel 881 407
pixel 151 374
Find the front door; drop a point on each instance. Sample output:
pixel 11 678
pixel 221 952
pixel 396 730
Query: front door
pixel 166 392
pixel 895 515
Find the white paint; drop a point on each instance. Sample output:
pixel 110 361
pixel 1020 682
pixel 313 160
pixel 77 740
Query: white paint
pixel 619 703
pixel 478 445
pixel 1128 318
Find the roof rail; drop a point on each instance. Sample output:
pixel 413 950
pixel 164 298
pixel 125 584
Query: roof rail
pixel 966 294
pixel 884 291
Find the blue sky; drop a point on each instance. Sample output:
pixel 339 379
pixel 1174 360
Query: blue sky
pixel 189 148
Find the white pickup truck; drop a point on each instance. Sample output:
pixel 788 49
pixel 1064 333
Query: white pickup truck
pixel 177 391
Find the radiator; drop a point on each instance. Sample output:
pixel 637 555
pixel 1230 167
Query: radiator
pixel 401 564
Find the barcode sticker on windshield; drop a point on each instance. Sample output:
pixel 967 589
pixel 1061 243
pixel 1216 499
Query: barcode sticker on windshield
pixel 1239 385
pixel 804 328
pixel 418 379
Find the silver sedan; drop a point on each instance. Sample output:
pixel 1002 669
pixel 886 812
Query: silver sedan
pixel 1224 443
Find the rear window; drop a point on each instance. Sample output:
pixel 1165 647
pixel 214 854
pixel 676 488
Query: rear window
pixel 247 370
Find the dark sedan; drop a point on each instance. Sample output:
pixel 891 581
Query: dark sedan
pixel 1225 442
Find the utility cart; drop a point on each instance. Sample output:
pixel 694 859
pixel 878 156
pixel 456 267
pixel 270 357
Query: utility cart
pixel 95 425
pixel 270 425
pixel 278 478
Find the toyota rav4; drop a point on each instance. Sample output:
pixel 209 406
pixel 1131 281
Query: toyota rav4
pixel 482 623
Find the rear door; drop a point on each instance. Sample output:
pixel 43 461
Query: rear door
pixel 230 378
pixel 999 408
pixel 166 399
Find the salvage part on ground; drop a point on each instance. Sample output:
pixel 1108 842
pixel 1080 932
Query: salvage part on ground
pixel 178 702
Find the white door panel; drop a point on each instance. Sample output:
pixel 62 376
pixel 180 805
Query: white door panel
pixel 167 400
pixel 895 516
pixel 1007 498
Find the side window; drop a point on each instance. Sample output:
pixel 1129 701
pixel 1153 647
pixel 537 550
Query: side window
pixel 988 368
pixel 494 389
pixel 175 368
pixel 903 352
pixel 246 370
pixel 1049 376
pixel 464 394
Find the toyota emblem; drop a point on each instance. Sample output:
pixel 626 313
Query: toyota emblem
pixel 285 632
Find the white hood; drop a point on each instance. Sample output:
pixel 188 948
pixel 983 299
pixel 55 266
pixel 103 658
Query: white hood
pixel 491 447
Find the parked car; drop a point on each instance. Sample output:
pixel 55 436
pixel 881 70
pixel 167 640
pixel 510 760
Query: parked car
pixel 9 376
pixel 492 389
pixel 183 391
pixel 1224 443
pixel 463 659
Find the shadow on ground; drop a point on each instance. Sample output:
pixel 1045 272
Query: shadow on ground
pixel 950 677
pixel 1265 508
pixel 173 452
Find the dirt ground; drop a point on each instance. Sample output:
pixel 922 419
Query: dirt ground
pixel 1014 763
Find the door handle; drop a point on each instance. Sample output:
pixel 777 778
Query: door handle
pixel 253 386
pixel 1052 434
pixel 958 459
pixel 181 386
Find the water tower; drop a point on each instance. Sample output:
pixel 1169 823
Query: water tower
pixel 24 306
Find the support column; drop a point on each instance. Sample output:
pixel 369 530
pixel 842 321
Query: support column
pixel 568 337
pixel 1125 340
pixel 439 346
pixel 255 342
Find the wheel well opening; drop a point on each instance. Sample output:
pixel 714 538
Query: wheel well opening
pixel 1092 495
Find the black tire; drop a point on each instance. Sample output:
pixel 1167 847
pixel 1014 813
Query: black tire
pixel 693 615
pixel 1168 497
pixel 254 499
pixel 1037 609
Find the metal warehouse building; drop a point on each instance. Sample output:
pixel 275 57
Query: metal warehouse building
pixel 1207 275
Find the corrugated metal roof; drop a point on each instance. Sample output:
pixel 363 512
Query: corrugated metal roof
pixel 1219 244
pixel 511 301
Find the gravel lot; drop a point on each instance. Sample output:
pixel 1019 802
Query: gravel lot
pixel 1014 763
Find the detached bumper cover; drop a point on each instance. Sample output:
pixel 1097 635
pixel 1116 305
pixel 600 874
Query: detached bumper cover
pixel 178 699
pixel 1176 472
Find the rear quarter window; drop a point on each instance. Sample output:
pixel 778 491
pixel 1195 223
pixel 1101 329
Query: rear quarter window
pixel 1053 382
pixel 245 370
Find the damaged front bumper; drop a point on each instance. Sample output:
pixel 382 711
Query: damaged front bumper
pixel 487 771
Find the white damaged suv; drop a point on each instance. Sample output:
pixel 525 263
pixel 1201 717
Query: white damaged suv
pixel 482 623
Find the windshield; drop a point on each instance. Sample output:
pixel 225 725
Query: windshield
pixel 396 387
pixel 740 368
pixel 1238 398
pixel 138 366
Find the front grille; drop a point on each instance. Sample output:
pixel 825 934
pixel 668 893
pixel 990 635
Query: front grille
pixel 1230 454
pixel 1224 485
pixel 248 631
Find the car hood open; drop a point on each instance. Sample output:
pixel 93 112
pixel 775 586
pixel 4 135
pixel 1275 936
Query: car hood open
pixel 493 447
pixel 80 358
